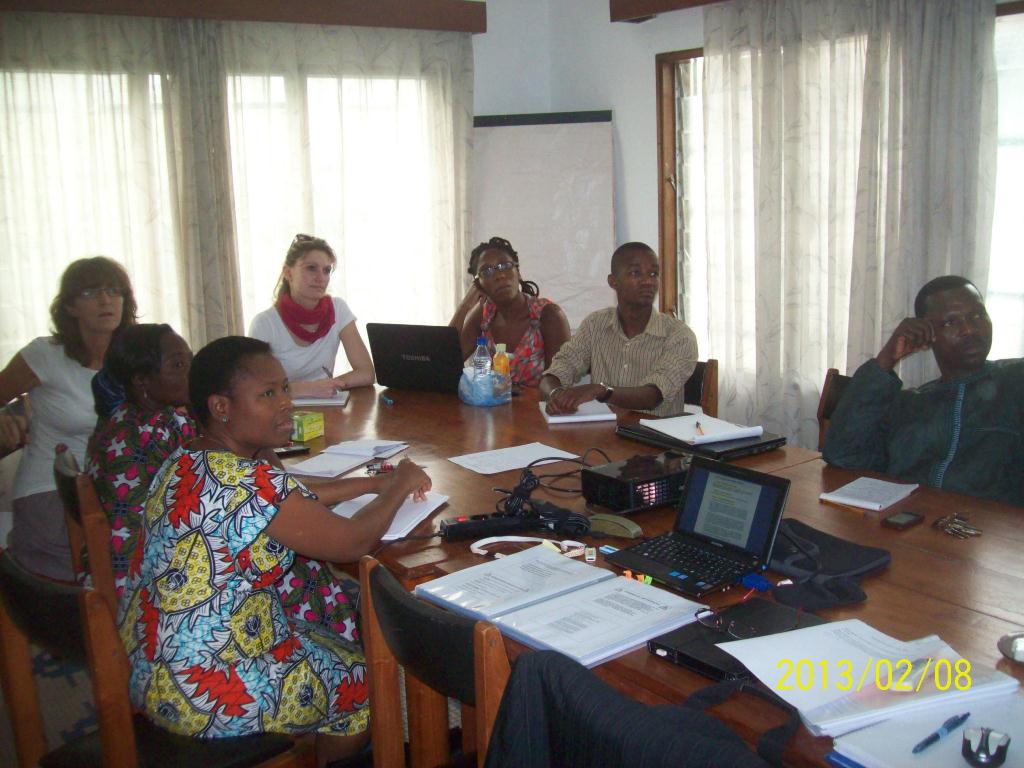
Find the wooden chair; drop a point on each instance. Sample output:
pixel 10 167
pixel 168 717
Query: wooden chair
pixel 74 623
pixel 444 655
pixel 88 527
pixel 702 387
pixel 831 392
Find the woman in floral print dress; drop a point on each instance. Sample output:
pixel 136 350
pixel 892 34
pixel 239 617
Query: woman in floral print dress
pixel 212 651
pixel 140 395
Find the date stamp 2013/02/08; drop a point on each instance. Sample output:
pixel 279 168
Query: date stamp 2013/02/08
pixel 902 675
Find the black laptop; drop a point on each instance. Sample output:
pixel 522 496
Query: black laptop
pixel 427 357
pixel 725 528
pixel 725 450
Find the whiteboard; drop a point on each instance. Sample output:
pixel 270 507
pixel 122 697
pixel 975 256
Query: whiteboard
pixel 547 187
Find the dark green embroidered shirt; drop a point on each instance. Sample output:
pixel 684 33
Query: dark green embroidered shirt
pixel 965 435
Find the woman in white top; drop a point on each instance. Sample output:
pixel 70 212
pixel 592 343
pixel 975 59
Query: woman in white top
pixel 95 299
pixel 305 325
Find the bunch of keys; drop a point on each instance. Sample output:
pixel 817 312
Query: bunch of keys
pixel 379 467
pixel 956 525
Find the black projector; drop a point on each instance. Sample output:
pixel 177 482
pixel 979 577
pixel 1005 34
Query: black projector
pixel 637 483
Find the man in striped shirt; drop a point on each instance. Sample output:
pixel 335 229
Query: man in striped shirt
pixel 637 357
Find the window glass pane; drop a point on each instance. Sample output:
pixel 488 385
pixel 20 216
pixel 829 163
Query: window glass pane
pixel 1005 295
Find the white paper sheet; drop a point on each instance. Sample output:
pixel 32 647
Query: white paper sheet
pixel 504 459
pixel 833 708
pixel 380 449
pixel 698 430
pixel 589 411
pixel 408 516
pixel 869 493
pixel 339 398
pixel 890 744
pixel 328 465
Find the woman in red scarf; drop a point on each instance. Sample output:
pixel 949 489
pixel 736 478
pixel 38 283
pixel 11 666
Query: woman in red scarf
pixel 305 325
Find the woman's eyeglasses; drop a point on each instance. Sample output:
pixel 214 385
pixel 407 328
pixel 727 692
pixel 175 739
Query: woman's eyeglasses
pixel 712 619
pixel 489 270
pixel 110 292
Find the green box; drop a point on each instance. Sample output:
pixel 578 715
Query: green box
pixel 307 425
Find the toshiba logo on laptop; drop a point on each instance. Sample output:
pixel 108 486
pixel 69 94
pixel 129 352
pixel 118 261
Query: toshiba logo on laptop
pixel 421 358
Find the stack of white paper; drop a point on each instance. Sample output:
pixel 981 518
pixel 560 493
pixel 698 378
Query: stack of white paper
pixel 340 398
pixel 890 744
pixel 369 449
pixel 547 600
pixel 851 685
pixel 328 465
pixel 869 493
pixel 699 429
pixel 408 516
pixel 589 411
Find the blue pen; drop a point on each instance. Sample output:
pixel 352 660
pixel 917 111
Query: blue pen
pixel 954 722
pixel 386 400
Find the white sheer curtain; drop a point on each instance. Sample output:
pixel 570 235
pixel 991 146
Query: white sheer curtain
pixel 849 150
pixel 360 137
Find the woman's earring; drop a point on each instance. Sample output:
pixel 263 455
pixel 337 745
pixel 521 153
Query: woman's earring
pixel 224 419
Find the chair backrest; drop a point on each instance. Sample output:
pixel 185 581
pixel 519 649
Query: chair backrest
pixel 831 392
pixel 702 387
pixel 65 471
pixel 72 623
pixel 88 527
pixel 443 654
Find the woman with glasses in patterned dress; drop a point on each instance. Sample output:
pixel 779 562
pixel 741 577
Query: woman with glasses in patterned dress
pixel 94 301
pixel 305 325
pixel 505 309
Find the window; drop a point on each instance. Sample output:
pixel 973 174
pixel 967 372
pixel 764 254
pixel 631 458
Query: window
pixel 683 218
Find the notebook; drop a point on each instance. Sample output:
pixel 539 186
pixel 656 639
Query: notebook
pixel 726 450
pixel 725 528
pixel 427 357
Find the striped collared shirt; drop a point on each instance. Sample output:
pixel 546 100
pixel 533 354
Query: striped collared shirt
pixel 664 355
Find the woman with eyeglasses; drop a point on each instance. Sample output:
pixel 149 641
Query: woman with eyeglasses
pixel 305 325
pixel 505 309
pixel 95 299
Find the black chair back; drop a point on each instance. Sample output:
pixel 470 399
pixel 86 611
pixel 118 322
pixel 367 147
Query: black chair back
pixel 693 390
pixel 45 610
pixel 434 645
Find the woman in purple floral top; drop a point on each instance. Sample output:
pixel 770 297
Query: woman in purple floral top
pixel 140 396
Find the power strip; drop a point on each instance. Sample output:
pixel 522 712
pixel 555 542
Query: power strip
pixel 490 525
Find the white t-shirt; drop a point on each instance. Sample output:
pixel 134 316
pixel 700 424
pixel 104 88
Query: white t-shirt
pixel 302 363
pixel 62 412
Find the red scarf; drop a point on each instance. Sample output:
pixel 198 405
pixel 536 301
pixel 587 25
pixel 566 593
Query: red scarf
pixel 295 316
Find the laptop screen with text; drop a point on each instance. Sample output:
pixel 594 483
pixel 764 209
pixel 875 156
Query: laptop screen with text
pixel 737 509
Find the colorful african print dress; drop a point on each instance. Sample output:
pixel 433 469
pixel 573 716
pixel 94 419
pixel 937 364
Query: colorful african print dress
pixel 125 453
pixel 213 653
pixel 528 356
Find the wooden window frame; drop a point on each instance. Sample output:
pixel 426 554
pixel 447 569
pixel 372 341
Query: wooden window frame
pixel 443 15
pixel 668 244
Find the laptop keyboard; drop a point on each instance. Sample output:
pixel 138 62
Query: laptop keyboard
pixel 692 560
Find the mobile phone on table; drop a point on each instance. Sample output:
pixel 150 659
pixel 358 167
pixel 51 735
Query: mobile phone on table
pixel 292 449
pixel 902 520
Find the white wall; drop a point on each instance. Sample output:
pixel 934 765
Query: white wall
pixel 565 55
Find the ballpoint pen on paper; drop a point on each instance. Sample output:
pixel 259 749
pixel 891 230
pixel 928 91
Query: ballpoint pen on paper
pixel 327 371
pixel 700 429
pixel 952 723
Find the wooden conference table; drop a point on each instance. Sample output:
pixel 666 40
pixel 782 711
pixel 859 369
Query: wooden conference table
pixel 969 592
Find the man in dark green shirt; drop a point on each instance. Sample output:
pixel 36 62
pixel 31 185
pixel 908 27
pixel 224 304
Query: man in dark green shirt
pixel 965 430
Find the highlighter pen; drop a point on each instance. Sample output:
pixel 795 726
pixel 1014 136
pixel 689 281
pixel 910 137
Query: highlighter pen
pixel 954 722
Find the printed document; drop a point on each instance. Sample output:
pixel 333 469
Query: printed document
pixel 328 465
pixel 846 675
pixel 869 493
pixel 588 411
pixel 701 429
pixel 504 459
pixel 376 449
pixel 408 516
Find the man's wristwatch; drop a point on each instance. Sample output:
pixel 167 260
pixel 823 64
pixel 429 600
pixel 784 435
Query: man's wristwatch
pixel 605 396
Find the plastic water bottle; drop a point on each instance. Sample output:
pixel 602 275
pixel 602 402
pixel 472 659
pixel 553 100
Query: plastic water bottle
pixel 481 359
